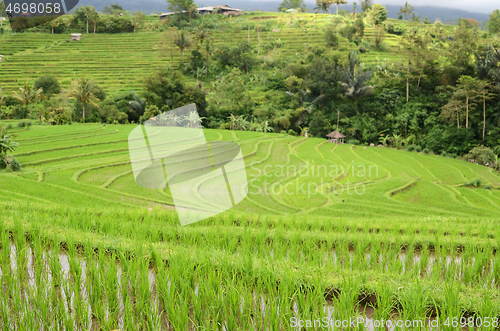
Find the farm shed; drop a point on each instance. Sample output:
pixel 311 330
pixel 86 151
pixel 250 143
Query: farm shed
pixel 76 36
pixel 336 137
pixel 1 57
pixel 220 9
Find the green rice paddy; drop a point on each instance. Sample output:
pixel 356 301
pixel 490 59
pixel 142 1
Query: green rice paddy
pixel 354 228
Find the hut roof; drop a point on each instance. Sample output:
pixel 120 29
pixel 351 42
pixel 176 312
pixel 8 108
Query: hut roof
pixel 335 134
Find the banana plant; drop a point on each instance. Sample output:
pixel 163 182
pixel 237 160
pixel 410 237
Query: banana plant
pixel 6 142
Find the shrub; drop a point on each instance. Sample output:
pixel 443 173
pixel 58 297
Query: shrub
pixel 487 187
pixel 426 151
pixel 292 133
pixel 410 148
pixel 418 149
pixel 283 131
pixel 331 38
pixel 14 165
pixel 21 124
pixel 59 116
pixel 481 155
pixel 49 84
pixel 353 142
pixel 476 182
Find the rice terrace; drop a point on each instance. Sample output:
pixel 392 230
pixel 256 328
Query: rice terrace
pixel 370 147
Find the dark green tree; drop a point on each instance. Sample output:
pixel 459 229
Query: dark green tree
pixel 494 22
pixel 292 4
pixel 49 84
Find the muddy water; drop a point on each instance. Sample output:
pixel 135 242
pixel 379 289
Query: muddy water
pixel 366 318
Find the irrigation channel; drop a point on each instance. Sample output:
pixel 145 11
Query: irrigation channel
pixel 60 285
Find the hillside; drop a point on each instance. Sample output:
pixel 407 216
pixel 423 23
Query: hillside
pixel 77 186
pixel 119 62
pixel 94 161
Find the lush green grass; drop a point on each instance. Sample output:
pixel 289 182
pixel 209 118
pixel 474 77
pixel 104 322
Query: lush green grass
pixel 77 188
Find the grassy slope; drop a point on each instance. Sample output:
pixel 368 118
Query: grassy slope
pixel 118 62
pixel 77 182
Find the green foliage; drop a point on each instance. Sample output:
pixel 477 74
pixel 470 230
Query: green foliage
pixel 49 85
pixel 482 155
pixel 151 111
pixel 292 4
pixel 319 125
pixel 114 9
pixel 377 14
pixel 59 116
pixel 240 56
pixel 331 38
pixel 6 143
pixel 167 87
pixel 494 22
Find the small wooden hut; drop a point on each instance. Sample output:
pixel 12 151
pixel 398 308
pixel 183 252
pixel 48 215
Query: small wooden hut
pixel 76 36
pixel 1 57
pixel 336 137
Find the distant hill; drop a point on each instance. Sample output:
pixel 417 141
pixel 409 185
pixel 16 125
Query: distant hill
pixel 160 6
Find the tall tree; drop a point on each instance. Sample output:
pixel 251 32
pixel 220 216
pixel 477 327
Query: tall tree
pixel 338 2
pixel 292 4
pixel 484 65
pixel 453 109
pixel 494 22
pixel 178 6
pixel 114 9
pixel 366 4
pixel 54 23
pixel 28 95
pixel 322 5
pixel 183 41
pixel 84 90
pixel 377 14
pixel 467 87
pixel 85 14
pixel 138 18
pixel 417 56
pixel 354 80
pixel 406 10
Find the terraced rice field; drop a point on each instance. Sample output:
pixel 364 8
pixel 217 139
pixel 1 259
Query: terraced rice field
pixel 119 62
pixel 326 231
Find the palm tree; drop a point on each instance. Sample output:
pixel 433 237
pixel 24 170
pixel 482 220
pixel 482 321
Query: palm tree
pixel 354 79
pixel 138 105
pixel 84 90
pixel 406 11
pixel 322 5
pixel 28 95
pixel 209 51
pixel 338 2
pixel 191 9
pixel 183 41
pixel 202 34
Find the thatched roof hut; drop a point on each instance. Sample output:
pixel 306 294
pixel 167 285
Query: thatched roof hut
pixel 336 137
